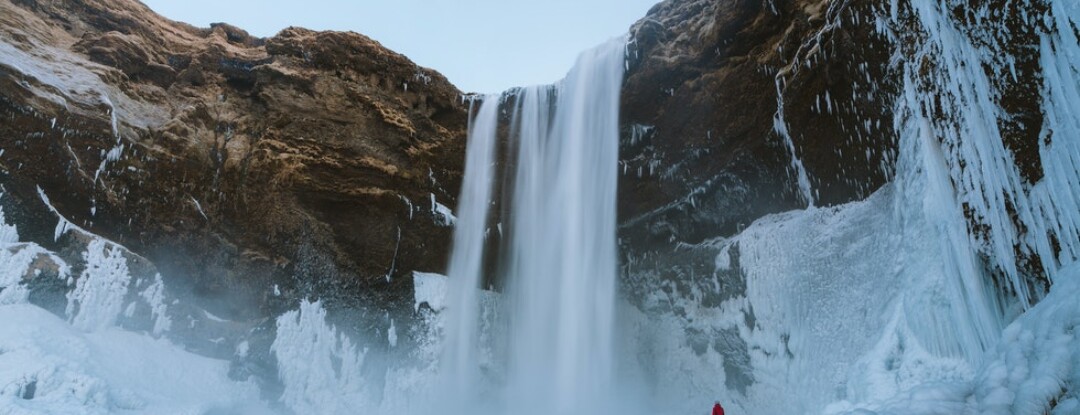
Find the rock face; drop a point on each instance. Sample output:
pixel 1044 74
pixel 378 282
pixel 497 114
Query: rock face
pixel 711 86
pixel 729 104
pixel 307 163
pixel 735 109
pixel 703 155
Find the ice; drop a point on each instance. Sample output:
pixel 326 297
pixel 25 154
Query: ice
pixel 881 306
pixel 1029 371
pixel 98 297
pixel 802 178
pixel 242 349
pixel 319 367
pixel 214 318
pixel 889 305
pixel 198 207
pixel 15 263
pixel 63 225
pixel 444 216
pixel 154 295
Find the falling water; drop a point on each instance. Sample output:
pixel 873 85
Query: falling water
pixel 560 260
pixel 461 367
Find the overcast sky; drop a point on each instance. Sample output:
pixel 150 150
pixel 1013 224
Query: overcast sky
pixel 480 45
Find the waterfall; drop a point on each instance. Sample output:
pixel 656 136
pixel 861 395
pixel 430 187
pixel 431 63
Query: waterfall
pixel 461 361
pixel 560 259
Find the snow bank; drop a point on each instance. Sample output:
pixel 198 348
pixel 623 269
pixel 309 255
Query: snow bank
pixel 49 367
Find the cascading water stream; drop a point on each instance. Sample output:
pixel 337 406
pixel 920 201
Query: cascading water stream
pixel 461 361
pixel 561 258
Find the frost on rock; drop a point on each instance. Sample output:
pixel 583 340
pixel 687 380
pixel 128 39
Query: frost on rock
pixel 98 297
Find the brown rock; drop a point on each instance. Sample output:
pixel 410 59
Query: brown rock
pixel 237 163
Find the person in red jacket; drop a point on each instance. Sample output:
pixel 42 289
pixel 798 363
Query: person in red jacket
pixel 717 409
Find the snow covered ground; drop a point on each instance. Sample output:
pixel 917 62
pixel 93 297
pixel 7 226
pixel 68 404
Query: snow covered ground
pixel 47 366
pixel 82 363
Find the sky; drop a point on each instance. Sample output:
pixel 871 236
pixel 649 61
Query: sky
pixel 480 45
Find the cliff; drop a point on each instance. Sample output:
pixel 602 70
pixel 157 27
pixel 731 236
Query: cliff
pixel 735 109
pixel 309 163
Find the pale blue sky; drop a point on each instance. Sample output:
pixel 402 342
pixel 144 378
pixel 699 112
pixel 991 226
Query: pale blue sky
pixel 480 45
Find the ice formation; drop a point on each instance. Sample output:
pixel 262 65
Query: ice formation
pixel 319 366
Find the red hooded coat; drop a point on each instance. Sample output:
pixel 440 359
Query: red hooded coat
pixel 717 410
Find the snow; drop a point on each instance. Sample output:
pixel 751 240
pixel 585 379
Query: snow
pixel 851 315
pixel 430 289
pixel 107 371
pixel 87 365
pixel 15 260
